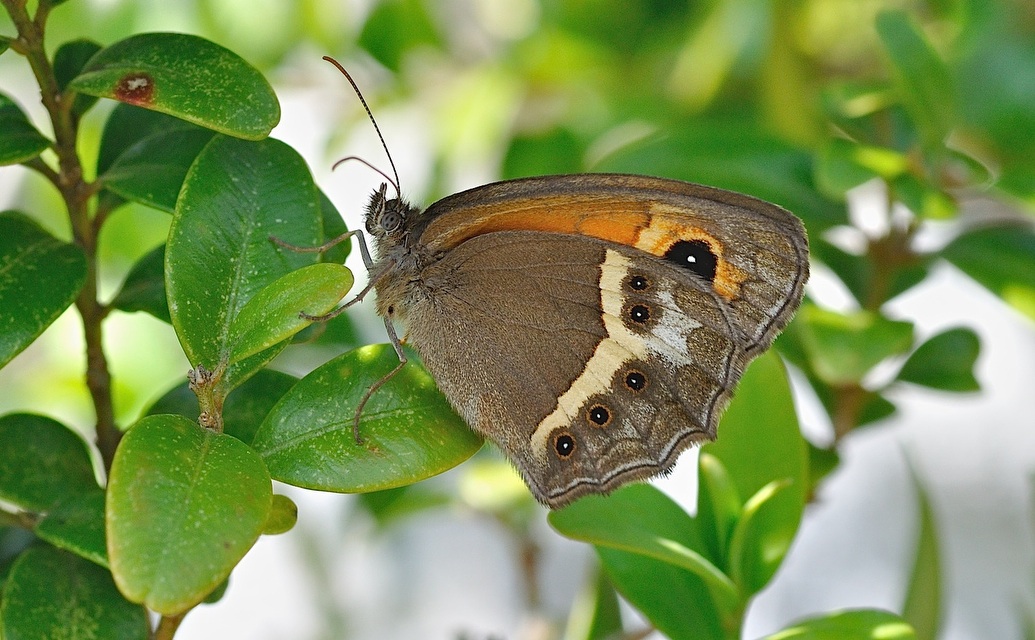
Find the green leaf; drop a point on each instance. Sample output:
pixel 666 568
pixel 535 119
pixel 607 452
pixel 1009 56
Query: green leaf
pixel 39 277
pixel 843 347
pixel 860 623
pixel 127 125
pixel 333 227
pixel 151 171
pixel 395 28
pixel 184 506
pixel 274 313
pixel 595 613
pixel 76 524
pixel 760 539
pixel 144 286
pixel 858 273
pixel 236 196
pixel 718 506
pixel 187 77
pixel 244 408
pixel 69 60
pixel 555 151
pixel 945 361
pixel 738 156
pixel 1002 259
pixel 640 519
pixel 409 431
pixel 42 462
pixel 923 603
pixel 843 164
pixel 759 443
pixel 54 595
pixel 676 601
pixel 19 140
pixel 921 77
pixel 283 515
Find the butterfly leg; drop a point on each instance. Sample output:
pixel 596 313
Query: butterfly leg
pixel 393 337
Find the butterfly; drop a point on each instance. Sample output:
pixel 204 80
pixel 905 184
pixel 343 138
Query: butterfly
pixel 593 326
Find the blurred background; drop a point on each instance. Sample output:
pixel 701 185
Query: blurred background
pixel 751 95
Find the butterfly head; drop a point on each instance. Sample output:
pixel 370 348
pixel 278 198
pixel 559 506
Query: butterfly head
pixel 388 218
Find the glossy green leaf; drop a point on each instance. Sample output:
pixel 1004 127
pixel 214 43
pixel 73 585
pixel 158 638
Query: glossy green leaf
pixel 945 361
pixel 718 506
pixel 144 286
pixel 127 125
pixel 283 515
pixel 40 276
pixel 759 443
pixel 76 524
pixel 640 519
pixel 595 613
pixel 921 77
pixel 1002 259
pixel 69 60
pixel 333 227
pixel 185 76
pixel 274 313
pixel 736 156
pixel 843 347
pixel 922 608
pixel 54 595
pixel 184 506
pixel 152 170
pixel 42 462
pixel 675 601
pixel 760 538
pixel 243 410
pixel 871 624
pixel 409 431
pixel 19 140
pixel 219 255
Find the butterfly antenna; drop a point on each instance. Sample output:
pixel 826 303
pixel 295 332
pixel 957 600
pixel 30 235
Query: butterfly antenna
pixel 355 87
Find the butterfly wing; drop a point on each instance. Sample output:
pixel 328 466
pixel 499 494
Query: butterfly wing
pixel 589 364
pixel 753 254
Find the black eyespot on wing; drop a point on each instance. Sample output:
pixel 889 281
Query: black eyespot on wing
pixel 695 255
pixel 599 415
pixel 638 282
pixel 639 313
pixel 635 380
pixel 564 444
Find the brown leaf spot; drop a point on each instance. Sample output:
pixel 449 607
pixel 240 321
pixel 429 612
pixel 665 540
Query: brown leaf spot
pixel 136 88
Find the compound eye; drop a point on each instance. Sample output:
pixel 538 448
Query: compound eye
pixel 391 219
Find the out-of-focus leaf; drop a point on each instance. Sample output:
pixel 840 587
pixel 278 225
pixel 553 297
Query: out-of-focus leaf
pixel 871 624
pixel 1002 259
pixel 923 604
pixel 945 361
pixel 144 286
pixel 921 77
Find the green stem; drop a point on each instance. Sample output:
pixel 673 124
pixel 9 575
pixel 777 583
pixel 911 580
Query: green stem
pixel 76 193
pixel 167 627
